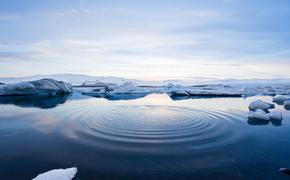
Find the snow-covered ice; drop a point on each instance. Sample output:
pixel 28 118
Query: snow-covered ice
pixel 126 88
pixel 259 114
pixel 58 174
pixel 280 99
pixel 38 87
pixel 176 90
pixel 203 90
pixel 258 104
pixel 22 88
pixel 287 105
pixel 276 115
pixel 209 87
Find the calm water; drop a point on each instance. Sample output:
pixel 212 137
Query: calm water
pixel 140 137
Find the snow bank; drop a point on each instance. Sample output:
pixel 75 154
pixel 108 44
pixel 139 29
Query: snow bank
pixel 39 87
pixel 276 115
pixel 58 174
pixel 258 104
pixel 259 114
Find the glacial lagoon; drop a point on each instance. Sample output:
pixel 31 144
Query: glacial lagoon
pixel 141 137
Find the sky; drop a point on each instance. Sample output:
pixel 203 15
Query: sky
pixel 146 39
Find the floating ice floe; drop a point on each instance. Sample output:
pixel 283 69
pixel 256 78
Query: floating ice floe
pixel 126 88
pixel 214 90
pixel 258 104
pixel 287 105
pixel 285 171
pixel 203 90
pixel 259 114
pixel 179 92
pixel 280 99
pixel 250 90
pixel 58 174
pixel 276 115
pixel 176 90
pixel 39 87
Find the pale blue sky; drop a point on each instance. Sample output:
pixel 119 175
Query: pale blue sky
pixel 149 39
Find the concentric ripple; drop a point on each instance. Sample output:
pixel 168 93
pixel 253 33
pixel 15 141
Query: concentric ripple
pixel 156 128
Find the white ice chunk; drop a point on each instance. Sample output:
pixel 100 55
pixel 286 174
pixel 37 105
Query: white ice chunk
pixel 280 98
pixel 258 104
pixel 58 174
pixel 287 104
pixel 39 87
pixel 51 85
pixel 276 115
pixel 179 92
pixel 128 88
pixel 22 88
pixel 259 114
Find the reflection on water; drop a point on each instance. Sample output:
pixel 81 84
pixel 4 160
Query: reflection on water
pixel 43 102
pixel 281 103
pixel 116 97
pixel 180 97
pixel 150 137
pixel 264 122
pixel 141 128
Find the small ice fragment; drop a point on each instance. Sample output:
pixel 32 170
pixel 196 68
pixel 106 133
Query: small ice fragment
pixel 285 171
pixel 287 105
pixel 276 115
pixel 259 114
pixel 258 104
pixel 58 174
pixel 280 99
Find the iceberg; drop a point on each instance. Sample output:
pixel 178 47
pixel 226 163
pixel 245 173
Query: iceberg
pixel 258 104
pixel 285 171
pixel 280 99
pixel 204 90
pixel 117 85
pixel 287 105
pixel 97 84
pixel 58 174
pixel 179 92
pixel 276 115
pixel 38 87
pixel 126 88
pixel 259 114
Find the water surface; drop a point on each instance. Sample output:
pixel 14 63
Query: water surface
pixel 140 137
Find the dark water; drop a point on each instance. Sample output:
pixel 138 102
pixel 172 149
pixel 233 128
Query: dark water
pixel 144 137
